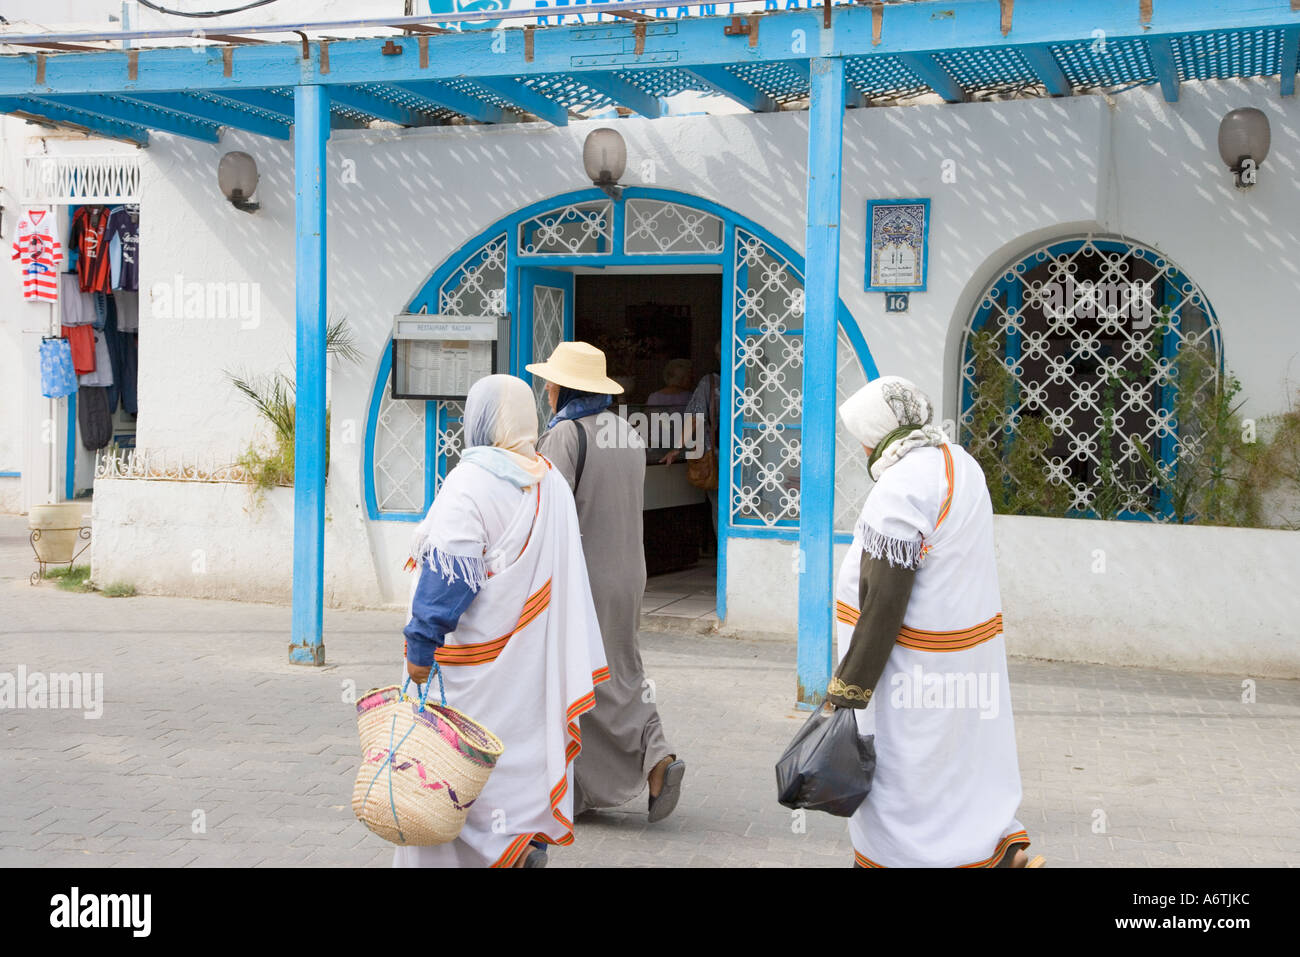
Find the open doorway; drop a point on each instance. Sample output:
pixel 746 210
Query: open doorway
pixel 659 333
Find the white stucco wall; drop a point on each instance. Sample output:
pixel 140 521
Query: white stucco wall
pixel 1025 172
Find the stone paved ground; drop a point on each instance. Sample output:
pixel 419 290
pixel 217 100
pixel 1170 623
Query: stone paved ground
pixel 202 713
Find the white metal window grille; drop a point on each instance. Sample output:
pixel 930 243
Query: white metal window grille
pixel 767 396
pixel 656 227
pixel 767 382
pixel 577 229
pixel 52 179
pixel 1086 336
pixel 548 331
pixel 399 455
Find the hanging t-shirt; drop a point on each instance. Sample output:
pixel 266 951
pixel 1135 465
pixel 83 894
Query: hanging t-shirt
pixel 128 310
pixel 89 237
pixel 124 246
pixel 39 254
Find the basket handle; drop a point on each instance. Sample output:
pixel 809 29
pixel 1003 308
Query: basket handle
pixel 442 692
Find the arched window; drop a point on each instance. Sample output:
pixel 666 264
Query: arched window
pixel 412 444
pixel 1078 362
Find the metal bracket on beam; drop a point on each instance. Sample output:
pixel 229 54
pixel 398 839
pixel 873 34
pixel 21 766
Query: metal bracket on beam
pixel 1007 7
pixel 133 65
pixel 306 46
pixel 826 14
pixel 743 26
pixel 325 55
pixel 40 69
pixel 529 30
pixel 1144 11
pixel 227 61
pixel 877 22
pixel 638 32
pixel 423 43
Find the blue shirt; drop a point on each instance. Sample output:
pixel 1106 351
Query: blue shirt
pixel 435 610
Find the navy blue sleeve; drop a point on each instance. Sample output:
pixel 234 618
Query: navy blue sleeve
pixel 436 609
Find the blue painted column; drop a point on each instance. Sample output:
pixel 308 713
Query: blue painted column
pixel 311 115
pixel 821 299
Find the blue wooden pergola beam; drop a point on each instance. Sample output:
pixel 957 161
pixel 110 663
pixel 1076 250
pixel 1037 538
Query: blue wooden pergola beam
pixel 1047 70
pixel 281 106
pixel 363 101
pixel 449 98
pixel 1160 50
pixel 930 72
pixel 910 29
pixel 56 114
pixel 230 116
pixel 526 99
pixel 625 94
pixel 1290 59
pixel 820 336
pixel 117 110
pixel 722 81
pixel 310 445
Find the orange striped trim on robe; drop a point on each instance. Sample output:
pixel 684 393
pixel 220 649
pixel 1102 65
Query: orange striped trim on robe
pixel 483 652
pixel 1018 837
pixel 959 640
pixel 572 714
pixel 919 640
pixel 948 473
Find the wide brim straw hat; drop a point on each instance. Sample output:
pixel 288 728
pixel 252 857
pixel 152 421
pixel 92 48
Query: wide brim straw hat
pixel 577 365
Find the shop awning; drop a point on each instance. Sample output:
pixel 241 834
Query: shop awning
pixel 415 72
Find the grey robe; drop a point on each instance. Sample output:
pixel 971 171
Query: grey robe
pixel 622 738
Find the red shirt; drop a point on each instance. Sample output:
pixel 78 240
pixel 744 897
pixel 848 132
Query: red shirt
pixel 89 238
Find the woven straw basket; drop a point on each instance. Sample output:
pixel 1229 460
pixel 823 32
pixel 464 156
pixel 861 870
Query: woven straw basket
pixel 421 767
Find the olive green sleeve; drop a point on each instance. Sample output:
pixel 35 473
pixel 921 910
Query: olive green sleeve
pixel 883 593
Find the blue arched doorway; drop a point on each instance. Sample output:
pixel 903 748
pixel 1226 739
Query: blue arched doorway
pixel 522 266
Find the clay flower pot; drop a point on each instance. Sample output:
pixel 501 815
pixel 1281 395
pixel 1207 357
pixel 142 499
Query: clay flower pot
pixel 56 530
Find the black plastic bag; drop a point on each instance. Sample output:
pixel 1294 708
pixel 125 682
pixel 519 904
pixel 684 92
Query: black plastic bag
pixel 828 766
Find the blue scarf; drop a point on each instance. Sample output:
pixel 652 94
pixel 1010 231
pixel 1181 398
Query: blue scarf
pixel 577 405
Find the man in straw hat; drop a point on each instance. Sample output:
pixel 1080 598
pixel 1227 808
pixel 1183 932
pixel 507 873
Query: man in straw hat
pixel 603 458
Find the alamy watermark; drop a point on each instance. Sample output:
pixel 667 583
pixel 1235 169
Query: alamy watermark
pixel 1134 301
pixel 946 690
pixel 210 301
pixel 658 430
pixel 68 691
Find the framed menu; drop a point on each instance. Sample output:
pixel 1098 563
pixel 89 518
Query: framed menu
pixel 440 357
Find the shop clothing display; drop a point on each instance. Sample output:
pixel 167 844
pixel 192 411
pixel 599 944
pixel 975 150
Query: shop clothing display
pixel 123 351
pixel 90 240
pixel 102 374
pixel 39 254
pixel 95 419
pixel 58 378
pixel 128 310
pixel 82 341
pixel 123 247
pixel 77 308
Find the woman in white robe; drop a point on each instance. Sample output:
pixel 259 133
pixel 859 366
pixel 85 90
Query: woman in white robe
pixel 502 604
pixel 922 659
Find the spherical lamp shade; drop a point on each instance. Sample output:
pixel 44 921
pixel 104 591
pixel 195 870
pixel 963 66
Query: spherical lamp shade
pixel 604 155
pixel 237 176
pixel 1244 134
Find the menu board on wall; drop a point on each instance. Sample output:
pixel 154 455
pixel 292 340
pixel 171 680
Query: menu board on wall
pixel 440 357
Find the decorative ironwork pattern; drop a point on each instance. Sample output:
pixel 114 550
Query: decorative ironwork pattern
pixel 478 287
pixel 657 227
pixel 767 396
pixel 400 455
pixel 118 463
pixel 81 179
pixel 578 229
pixel 548 331
pixel 1082 346
pixel 767 383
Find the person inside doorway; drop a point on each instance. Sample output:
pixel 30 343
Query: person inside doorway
pixel 676 392
pixel 603 458
pixel 702 412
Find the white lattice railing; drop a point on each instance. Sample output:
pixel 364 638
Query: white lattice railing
pixel 81 179
pixel 166 466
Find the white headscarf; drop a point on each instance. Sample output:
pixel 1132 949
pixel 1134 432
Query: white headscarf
pixel 501 429
pixel 891 416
